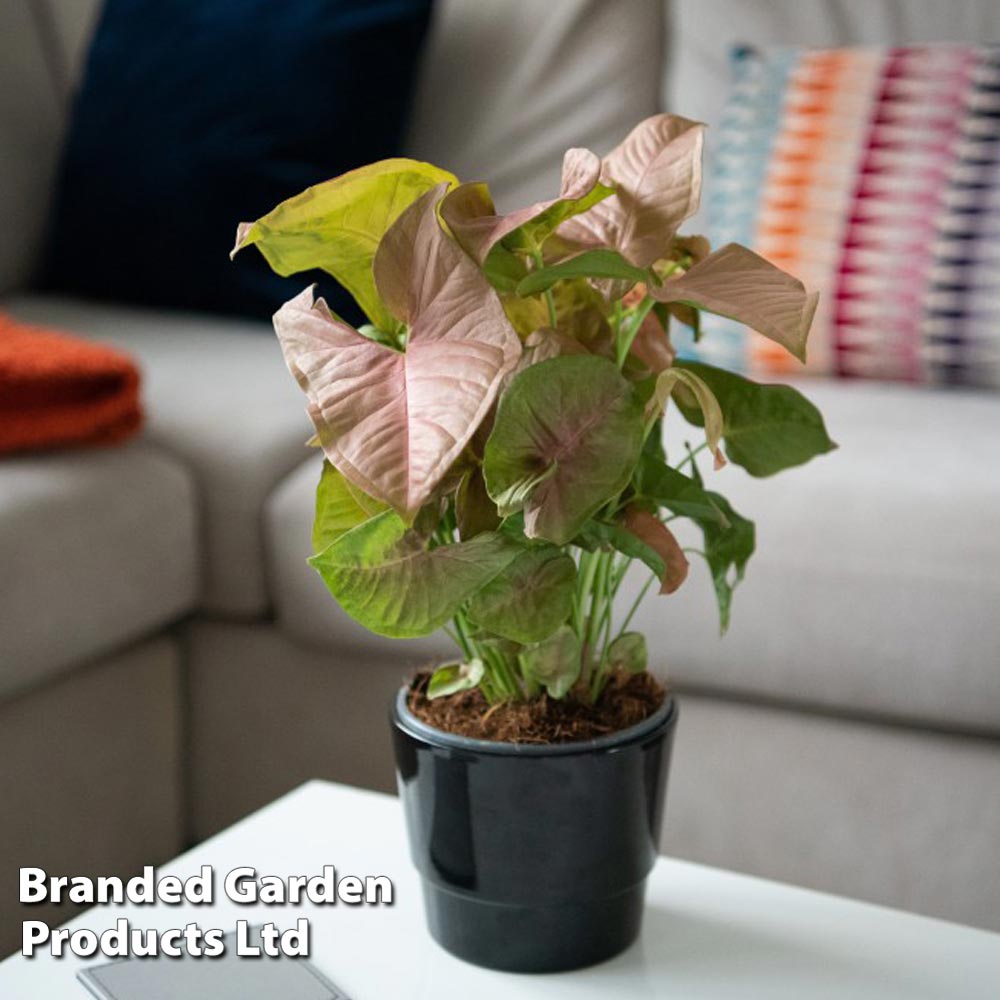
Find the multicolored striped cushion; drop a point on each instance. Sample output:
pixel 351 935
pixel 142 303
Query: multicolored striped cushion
pixel 873 174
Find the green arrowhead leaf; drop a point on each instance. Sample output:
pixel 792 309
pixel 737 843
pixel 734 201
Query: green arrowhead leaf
pixel 656 536
pixel 653 445
pixel 554 663
pixel 729 537
pixel 337 225
pixel 529 599
pixel 589 264
pixel 727 551
pixel 472 217
pixel 576 416
pixel 450 678
pixel 340 506
pixel 628 652
pixel 601 535
pixel 504 270
pixel 385 576
pixel 766 428
pixel 666 487
pixel 533 234
pixel 475 512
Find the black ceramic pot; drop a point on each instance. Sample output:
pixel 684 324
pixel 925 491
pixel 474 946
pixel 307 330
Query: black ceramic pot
pixel 533 858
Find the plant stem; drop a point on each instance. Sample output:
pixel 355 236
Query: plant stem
pixel 616 318
pixel 628 335
pixel 585 583
pixel 455 638
pixel 550 299
pixel 614 579
pixel 511 679
pixel 635 606
pixel 465 640
pixel 490 693
pixel 615 575
pixel 598 601
pixel 532 688
pixel 597 685
pixel 495 673
pixel 691 454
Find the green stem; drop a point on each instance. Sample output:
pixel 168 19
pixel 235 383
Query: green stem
pixel 550 299
pixel 498 685
pixel 627 336
pixel 500 681
pixel 616 574
pixel 597 685
pixel 597 606
pixel 585 583
pixel 457 639
pixel 506 677
pixel 691 454
pixel 489 690
pixel 635 606
pixel 469 644
pixel 608 608
pixel 511 680
pixel 532 689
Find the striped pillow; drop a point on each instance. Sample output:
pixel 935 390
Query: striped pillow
pixel 873 174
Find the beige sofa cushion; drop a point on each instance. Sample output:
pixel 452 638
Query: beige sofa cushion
pixel 876 580
pixel 507 86
pixel 219 398
pixel 884 813
pixel 97 547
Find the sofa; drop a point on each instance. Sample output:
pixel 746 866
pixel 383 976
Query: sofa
pixel 168 662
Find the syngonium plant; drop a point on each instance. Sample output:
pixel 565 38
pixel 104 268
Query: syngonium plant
pixel 492 435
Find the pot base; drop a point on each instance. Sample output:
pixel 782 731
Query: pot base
pixel 513 938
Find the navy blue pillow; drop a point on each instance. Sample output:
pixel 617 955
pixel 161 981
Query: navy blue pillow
pixel 196 115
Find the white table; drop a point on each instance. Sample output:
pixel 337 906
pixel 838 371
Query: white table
pixel 707 933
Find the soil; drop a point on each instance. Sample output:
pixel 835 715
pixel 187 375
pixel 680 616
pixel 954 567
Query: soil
pixel 626 700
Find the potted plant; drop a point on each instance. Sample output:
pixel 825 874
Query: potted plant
pixel 494 465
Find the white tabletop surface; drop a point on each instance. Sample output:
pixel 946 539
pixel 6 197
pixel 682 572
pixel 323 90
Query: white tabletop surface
pixel 707 933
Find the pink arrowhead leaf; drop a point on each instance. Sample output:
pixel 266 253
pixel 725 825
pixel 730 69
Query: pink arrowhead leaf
pixel 473 219
pixel 742 285
pixel 393 422
pixel 650 530
pixel 656 174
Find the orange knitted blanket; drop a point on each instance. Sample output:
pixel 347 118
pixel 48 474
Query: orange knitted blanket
pixel 60 391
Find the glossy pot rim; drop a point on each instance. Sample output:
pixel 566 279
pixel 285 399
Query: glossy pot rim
pixel 661 720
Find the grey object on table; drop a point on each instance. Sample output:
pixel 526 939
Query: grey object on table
pixel 228 977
